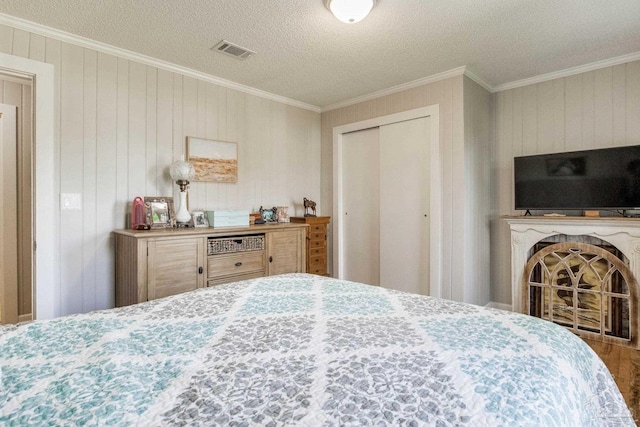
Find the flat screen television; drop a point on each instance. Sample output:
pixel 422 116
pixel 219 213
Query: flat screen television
pixel 607 178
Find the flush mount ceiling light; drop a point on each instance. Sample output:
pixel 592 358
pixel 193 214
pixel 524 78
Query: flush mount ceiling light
pixel 350 11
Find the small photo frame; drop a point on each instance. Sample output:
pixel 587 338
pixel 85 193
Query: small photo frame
pixel 213 161
pixel 159 212
pixel 199 219
pixel 269 215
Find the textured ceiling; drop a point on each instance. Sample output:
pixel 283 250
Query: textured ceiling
pixel 305 54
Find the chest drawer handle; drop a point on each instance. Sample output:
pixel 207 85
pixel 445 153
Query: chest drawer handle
pixel 200 270
pixel 238 264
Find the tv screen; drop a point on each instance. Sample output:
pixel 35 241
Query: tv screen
pixel 607 178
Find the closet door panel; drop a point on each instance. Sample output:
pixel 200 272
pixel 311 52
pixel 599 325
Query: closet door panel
pixel 404 205
pixel 361 206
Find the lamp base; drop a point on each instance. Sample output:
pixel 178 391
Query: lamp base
pixel 182 216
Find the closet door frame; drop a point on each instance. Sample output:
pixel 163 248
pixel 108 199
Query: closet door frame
pixel 435 199
pixel 46 277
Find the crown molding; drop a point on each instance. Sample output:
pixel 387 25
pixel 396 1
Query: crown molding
pixel 64 36
pixel 476 78
pixel 467 71
pixel 569 72
pixel 395 89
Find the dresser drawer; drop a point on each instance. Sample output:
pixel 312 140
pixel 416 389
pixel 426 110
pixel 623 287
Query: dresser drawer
pixel 237 263
pixel 229 279
pixel 317 236
pixel 318 228
pixel 317 269
pixel 317 260
pixel 317 251
pixel 313 244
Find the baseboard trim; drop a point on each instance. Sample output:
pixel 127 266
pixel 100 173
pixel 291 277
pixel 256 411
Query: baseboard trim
pixel 25 318
pixel 499 305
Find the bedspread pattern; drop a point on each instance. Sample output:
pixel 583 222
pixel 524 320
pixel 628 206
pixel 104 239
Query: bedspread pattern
pixel 304 350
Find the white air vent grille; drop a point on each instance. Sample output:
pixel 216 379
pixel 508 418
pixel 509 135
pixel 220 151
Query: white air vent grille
pixel 233 50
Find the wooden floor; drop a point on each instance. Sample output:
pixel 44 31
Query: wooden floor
pixel 624 364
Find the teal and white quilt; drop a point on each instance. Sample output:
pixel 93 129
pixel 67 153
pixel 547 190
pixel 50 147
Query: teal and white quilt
pixel 302 350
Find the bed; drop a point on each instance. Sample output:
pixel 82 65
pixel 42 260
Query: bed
pixel 302 350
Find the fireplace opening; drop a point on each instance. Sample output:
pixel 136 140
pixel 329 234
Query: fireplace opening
pixel 584 286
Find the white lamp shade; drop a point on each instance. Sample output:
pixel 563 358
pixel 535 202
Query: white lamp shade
pixel 182 171
pixel 350 11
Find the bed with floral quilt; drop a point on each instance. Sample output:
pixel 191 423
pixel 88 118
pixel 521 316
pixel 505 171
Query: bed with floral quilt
pixel 302 350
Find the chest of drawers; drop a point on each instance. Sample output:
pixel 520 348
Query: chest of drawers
pixel 316 242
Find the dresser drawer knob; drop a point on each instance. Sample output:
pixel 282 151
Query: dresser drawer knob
pixel 238 264
pixel 200 270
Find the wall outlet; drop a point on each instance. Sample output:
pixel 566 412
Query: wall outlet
pixel 70 201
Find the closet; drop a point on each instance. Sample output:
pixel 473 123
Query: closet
pixel 385 190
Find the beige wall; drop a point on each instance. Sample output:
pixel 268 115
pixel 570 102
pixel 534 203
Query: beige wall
pixel 18 94
pixel 590 110
pixel 478 111
pixel 455 152
pixel 120 124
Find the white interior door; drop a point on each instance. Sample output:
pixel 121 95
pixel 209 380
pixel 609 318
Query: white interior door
pixel 8 215
pixel 404 205
pixel 361 206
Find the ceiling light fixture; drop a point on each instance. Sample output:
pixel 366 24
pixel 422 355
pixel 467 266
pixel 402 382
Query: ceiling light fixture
pixel 350 11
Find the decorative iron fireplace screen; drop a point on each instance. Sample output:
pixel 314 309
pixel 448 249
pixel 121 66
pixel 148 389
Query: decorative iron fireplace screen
pixel 581 286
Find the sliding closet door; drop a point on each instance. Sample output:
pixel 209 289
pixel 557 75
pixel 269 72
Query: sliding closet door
pixel 404 205
pixel 361 206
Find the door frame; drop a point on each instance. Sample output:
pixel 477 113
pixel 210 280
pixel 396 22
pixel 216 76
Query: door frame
pixel 435 200
pixel 46 279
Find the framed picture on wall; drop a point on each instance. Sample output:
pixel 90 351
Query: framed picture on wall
pixel 214 161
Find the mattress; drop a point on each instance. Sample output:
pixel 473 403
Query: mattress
pixel 302 350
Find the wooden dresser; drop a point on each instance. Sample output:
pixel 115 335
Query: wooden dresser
pixel 158 263
pixel 316 242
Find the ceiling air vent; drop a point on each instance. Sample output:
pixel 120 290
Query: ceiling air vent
pixel 233 50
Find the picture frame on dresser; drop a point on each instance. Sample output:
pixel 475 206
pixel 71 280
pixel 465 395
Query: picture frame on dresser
pixel 199 219
pixel 159 212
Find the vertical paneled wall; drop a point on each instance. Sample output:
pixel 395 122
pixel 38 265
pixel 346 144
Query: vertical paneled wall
pixel 14 92
pixel 448 94
pixel 120 124
pixel 596 109
pixel 478 109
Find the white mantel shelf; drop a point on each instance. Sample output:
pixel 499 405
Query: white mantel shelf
pixel 610 221
pixel 526 231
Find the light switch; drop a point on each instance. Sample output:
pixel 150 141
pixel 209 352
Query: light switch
pixel 70 201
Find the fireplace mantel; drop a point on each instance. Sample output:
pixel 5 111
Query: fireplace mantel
pixel 526 231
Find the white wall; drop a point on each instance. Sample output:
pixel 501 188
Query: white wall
pixel 459 204
pixel 590 110
pixel 120 124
